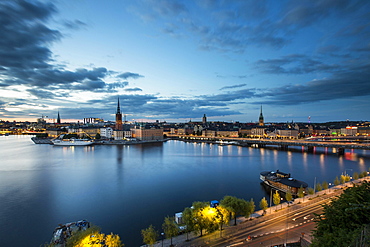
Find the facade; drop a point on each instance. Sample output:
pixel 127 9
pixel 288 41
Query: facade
pixel 143 134
pixel 88 131
pixel 258 131
pixel 288 133
pixel 349 131
pixel 365 131
pixel 209 133
pixel 106 132
pixel 54 132
pixel 228 133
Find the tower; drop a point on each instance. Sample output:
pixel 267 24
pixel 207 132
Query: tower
pixel 204 120
pixel 58 119
pixel 260 120
pixel 118 117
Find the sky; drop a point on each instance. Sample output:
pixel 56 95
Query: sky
pixel 175 61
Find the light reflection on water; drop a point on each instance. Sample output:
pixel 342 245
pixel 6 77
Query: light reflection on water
pixel 124 189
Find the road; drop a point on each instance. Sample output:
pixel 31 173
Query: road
pixel 278 227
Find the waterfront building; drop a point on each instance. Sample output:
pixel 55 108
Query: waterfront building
pixel 209 133
pixel 363 131
pixel 106 132
pixel 122 134
pixel 147 134
pixel 227 133
pixel 54 132
pixel 118 118
pixel 258 131
pixel 84 131
pixel 349 130
pixel 288 133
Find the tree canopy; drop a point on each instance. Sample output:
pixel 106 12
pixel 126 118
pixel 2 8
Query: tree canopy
pixel 344 218
pixel 170 227
pixel 149 235
pixel 238 206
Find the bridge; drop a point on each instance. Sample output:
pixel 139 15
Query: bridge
pixel 339 145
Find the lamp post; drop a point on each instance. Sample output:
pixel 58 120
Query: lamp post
pixel 162 234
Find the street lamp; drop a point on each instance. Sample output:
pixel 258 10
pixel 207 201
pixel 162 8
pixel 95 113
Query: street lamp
pixel 162 234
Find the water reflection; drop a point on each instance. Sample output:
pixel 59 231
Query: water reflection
pixel 113 186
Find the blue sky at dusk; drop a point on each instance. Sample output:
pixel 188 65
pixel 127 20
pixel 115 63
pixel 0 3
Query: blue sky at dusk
pixel 174 60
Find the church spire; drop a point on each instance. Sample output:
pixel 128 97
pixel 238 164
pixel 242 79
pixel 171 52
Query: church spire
pixel 118 117
pixel 118 107
pixel 58 119
pixel 261 120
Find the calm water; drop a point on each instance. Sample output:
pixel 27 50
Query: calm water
pixel 124 189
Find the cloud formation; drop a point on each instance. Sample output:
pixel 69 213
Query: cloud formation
pixel 26 59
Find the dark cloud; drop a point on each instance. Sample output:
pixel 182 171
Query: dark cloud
pixel 231 96
pixel 25 57
pixel 234 26
pixel 354 82
pixel 128 75
pixel 294 64
pixel 234 86
pixel 75 25
pixel 135 89
pixel 42 94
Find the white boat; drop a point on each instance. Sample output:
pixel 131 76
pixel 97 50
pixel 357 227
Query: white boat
pixel 72 142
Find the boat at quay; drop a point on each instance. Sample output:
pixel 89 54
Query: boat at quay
pixel 282 181
pixel 72 142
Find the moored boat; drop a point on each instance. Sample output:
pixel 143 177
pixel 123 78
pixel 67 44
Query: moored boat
pixel 65 231
pixel 282 181
pixel 72 142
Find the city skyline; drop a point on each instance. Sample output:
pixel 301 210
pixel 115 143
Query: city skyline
pixel 174 61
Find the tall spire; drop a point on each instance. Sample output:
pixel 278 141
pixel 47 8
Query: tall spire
pixel 58 119
pixel 118 107
pixel 118 117
pixel 261 120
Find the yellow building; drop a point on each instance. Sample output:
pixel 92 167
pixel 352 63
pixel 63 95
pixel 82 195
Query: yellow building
pixel 151 134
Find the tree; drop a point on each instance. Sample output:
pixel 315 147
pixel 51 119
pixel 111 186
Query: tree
pixel 98 239
pixel 288 196
pixel 236 205
pixel 223 215
pixel 251 208
pixel 200 221
pixel 170 227
pixel 263 205
pixel 276 198
pixel 310 191
pixel 336 181
pixel 188 219
pixel 318 187
pixel 301 192
pixel 97 136
pixel 342 179
pixel 149 235
pixel 325 185
pixel 355 175
pixel 343 219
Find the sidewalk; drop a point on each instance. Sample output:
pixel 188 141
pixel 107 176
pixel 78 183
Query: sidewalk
pixel 242 222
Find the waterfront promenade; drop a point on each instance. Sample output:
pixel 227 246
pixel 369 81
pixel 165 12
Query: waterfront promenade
pixel 283 144
pixel 231 235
